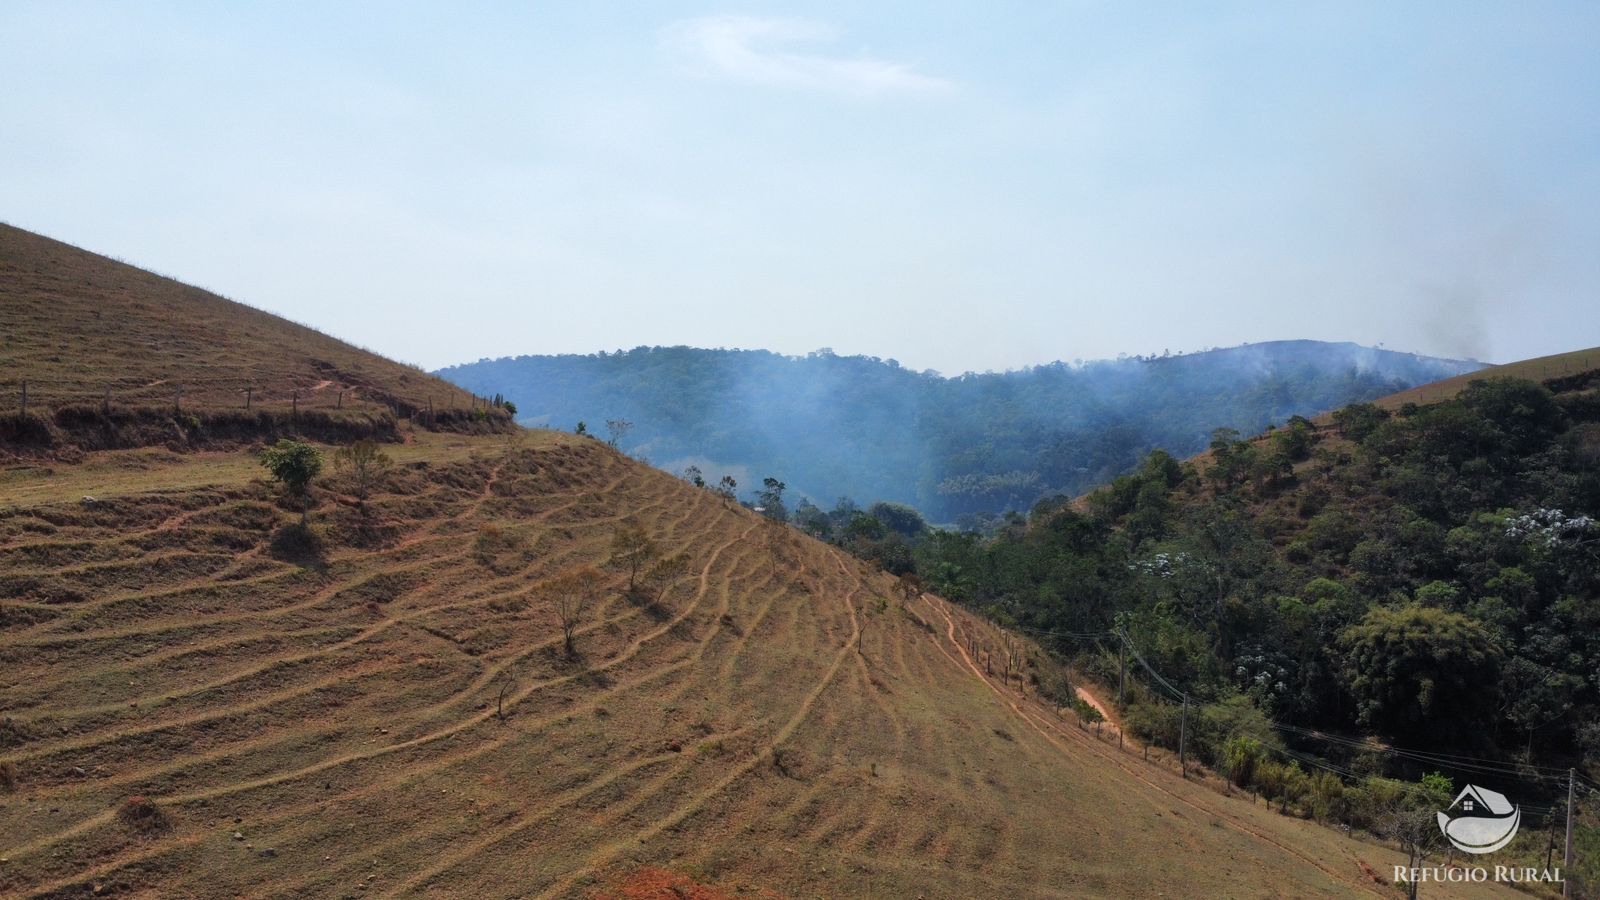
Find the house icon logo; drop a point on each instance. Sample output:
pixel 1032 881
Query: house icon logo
pixel 1480 820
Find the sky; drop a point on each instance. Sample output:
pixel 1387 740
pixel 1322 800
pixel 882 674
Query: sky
pixel 960 187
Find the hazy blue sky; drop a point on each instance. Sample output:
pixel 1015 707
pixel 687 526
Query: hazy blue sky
pixel 958 186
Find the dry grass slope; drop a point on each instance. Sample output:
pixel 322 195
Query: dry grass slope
pixel 193 705
pixel 1542 369
pixel 327 726
pixel 76 325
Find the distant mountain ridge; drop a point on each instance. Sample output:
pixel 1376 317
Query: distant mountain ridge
pixel 866 427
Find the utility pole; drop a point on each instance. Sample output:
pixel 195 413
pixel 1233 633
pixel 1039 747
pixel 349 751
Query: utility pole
pixel 1566 860
pixel 1183 737
pixel 1122 670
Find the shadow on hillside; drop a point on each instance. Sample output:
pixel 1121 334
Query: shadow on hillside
pixel 647 604
pixel 299 545
pixel 588 676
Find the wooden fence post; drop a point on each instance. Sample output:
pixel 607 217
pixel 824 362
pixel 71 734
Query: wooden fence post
pixel 249 394
pixel 294 408
pixel 24 397
pixel 177 399
pixel 105 405
pixel 340 404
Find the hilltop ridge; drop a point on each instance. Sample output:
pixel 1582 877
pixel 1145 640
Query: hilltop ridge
pixel 969 445
pixel 112 355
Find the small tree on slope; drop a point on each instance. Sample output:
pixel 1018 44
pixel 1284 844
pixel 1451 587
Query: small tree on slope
pixel 294 465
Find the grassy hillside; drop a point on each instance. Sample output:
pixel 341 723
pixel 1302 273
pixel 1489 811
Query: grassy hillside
pixel 113 355
pixel 973 445
pixel 318 724
pixel 198 699
pixel 1542 369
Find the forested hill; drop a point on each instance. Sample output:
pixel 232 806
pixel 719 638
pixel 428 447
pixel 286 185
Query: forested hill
pixel 976 443
pixel 1324 595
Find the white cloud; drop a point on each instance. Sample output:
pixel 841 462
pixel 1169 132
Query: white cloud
pixel 764 51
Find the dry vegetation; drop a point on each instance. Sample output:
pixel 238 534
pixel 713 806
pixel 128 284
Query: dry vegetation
pixel 103 345
pixel 1543 369
pixel 194 701
pixel 401 717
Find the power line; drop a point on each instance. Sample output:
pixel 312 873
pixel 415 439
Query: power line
pixel 1526 772
pixel 1465 763
pixel 1149 668
pixel 1070 635
pixel 1458 762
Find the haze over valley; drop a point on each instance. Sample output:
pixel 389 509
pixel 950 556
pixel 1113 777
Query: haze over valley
pixel 1066 450
pixel 971 445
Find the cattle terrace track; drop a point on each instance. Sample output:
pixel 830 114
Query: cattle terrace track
pixel 778 723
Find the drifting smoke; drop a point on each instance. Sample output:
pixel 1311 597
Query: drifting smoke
pixel 1455 320
pixel 833 425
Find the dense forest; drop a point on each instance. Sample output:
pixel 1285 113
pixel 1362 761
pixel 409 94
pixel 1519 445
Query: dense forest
pixel 1323 594
pixel 952 447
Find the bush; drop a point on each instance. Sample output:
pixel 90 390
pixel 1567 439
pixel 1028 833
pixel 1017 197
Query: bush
pixel 8 776
pixel 143 815
pixel 1242 757
pixel 13 733
pixel 1087 714
pixel 1154 722
pixel 1326 800
pixel 1293 784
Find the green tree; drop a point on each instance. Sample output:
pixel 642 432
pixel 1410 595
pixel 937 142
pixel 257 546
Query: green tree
pixel 770 498
pixel 900 518
pixel 1232 459
pixel 1420 672
pixel 294 465
pixel 1358 420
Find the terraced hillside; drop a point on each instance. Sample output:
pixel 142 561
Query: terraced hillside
pixel 197 701
pixel 394 715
